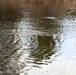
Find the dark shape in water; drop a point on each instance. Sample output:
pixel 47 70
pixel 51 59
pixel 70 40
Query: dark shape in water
pixel 45 48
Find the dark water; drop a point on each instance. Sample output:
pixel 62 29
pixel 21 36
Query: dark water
pixel 38 37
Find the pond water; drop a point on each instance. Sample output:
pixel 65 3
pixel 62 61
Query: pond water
pixel 38 37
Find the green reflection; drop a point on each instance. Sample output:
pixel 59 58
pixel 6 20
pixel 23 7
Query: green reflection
pixel 45 48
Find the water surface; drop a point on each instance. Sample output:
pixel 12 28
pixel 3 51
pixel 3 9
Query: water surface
pixel 38 37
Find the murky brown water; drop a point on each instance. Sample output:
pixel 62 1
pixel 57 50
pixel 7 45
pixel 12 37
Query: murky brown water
pixel 37 37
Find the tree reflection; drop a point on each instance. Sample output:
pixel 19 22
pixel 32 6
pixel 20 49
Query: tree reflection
pixel 45 48
pixel 12 10
pixel 9 11
pixel 7 48
pixel 43 45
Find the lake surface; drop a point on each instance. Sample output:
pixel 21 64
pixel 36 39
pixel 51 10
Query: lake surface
pixel 38 37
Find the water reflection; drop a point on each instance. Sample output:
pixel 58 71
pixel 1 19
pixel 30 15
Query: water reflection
pixel 39 41
pixel 7 46
pixel 34 39
pixel 45 48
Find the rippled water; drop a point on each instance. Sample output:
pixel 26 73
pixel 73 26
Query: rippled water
pixel 38 37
